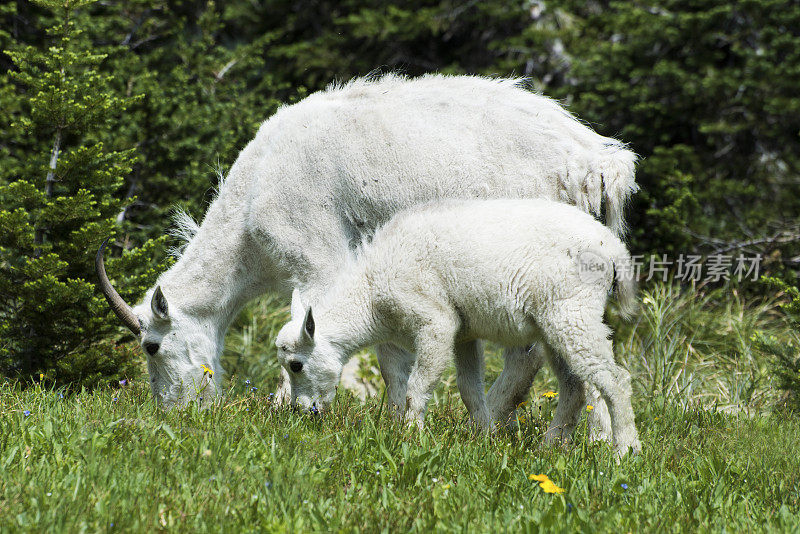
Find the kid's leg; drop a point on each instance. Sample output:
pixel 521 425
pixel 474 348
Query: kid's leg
pixel 469 377
pixel 581 338
pixel 570 401
pixel 599 420
pixel 434 348
pixel 395 364
pixel 514 383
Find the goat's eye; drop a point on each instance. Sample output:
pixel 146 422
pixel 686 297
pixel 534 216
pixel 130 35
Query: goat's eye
pixel 151 348
pixel 296 366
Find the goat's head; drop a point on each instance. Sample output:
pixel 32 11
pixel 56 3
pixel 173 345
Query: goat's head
pixel 182 352
pixel 314 365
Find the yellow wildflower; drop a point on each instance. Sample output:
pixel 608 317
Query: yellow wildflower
pixel 446 486
pixel 589 407
pixel 538 478
pixel 550 394
pixel 206 370
pixel 41 376
pixel 549 487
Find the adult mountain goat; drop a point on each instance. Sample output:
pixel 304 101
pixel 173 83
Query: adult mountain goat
pixel 323 174
pixel 445 275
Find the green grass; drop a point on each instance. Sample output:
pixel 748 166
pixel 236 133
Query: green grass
pixel 716 455
pixel 699 346
pixel 83 462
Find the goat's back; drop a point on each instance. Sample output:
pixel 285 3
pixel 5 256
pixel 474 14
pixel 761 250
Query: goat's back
pixel 369 148
pixel 498 262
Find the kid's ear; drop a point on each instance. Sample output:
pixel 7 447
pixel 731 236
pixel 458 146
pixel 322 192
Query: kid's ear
pixel 298 308
pixel 308 325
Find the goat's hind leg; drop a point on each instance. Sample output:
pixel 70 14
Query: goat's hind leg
pixel 598 419
pixel 469 377
pixel 512 386
pixel 581 338
pixel 571 397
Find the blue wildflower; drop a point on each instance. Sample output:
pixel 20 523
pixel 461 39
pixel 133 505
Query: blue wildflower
pixel 26 413
pixel 253 388
pixel 624 486
pixel 247 381
pixel 268 484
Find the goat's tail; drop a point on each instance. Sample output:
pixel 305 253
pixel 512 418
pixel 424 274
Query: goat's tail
pixel 614 168
pixel 625 283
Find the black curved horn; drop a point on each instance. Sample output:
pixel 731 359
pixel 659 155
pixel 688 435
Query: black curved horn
pixel 118 306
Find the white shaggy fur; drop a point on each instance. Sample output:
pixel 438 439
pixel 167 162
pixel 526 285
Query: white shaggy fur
pixel 323 174
pixel 436 279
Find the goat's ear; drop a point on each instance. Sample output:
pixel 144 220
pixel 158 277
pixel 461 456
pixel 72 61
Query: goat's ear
pixel 298 308
pixel 308 325
pixel 159 304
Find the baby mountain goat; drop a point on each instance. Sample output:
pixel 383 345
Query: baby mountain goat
pixel 438 277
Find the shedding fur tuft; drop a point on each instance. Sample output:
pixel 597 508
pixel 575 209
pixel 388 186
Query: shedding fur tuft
pixel 616 167
pixel 184 229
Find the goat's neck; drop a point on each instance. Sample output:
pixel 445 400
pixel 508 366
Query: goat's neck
pixel 217 274
pixel 347 314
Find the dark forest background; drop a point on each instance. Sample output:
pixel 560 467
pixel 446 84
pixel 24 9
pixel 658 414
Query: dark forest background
pixel 114 114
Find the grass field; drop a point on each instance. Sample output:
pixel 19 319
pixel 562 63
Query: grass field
pixel 716 455
pixel 110 461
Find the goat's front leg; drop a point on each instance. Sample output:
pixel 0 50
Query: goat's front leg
pixel 514 382
pixel 395 364
pixel 283 394
pixel 469 377
pixel 434 347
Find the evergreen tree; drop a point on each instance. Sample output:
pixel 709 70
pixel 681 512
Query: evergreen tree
pixel 203 97
pixel 707 93
pixel 58 203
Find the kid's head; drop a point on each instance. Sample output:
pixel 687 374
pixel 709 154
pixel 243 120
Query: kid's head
pixel 313 364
